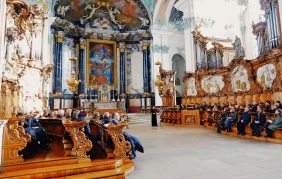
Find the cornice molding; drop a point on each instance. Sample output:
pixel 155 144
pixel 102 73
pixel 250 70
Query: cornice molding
pixel 162 33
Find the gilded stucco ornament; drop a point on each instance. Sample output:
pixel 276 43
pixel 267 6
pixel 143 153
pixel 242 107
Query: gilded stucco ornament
pixel 23 79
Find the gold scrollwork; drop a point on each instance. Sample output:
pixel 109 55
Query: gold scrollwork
pixel 122 48
pixel 82 45
pixel 121 145
pixel 144 46
pixel 59 38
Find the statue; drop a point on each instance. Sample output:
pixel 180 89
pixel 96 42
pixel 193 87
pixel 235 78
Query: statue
pixel 93 10
pixel 62 10
pixel 112 13
pixel 239 50
pixel 144 22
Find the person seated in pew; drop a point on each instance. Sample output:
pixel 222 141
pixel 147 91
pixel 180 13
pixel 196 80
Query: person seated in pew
pixel 134 141
pixel 82 116
pixel 232 118
pixel 61 113
pixel 258 122
pixel 244 121
pixel 96 115
pixel 271 126
pixel 68 113
pixel 34 129
pixel 254 107
pixel 267 106
pixel 221 120
pixel 106 118
pixel 278 105
pixel 204 106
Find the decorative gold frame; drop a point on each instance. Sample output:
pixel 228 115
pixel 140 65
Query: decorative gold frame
pixel 114 49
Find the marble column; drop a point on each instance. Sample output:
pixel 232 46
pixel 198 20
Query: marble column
pixel 145 67
pixel 81 66
pixel 186 7
pixel 122 68
pixel 149 71
pixel 58 71
pixel 2 125
pixel 2 35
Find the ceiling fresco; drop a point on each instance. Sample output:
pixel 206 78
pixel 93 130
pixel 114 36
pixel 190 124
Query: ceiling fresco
pixel 130 13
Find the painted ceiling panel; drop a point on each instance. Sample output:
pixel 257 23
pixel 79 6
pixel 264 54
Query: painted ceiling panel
pixel 121 12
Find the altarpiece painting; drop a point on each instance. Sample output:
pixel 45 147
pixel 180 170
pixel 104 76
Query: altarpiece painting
pixel 101 65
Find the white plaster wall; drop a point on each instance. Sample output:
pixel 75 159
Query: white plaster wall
pixel 136 72
pixel 175 41
pixel 67 103
pixel 248 40
pixel 57 103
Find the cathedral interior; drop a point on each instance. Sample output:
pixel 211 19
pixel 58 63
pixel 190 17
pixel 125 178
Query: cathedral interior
pixel 127 56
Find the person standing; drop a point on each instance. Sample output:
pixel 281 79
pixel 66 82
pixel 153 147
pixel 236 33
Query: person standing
pixel 154 116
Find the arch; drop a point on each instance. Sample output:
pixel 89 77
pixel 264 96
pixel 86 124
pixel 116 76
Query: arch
pixel 177 94
pixel 175 52
pixel 179 65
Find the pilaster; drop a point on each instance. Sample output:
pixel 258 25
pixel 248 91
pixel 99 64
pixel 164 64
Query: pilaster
pixel 2 35
pixel 58 62
pixel 81 65
pixel 186 6
pixel 144 46
pixel 160 52
pixel 2 125
pixel 122 81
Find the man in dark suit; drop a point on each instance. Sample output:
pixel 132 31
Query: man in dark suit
pixel 259 121
pixel 245 120
pixel 34 129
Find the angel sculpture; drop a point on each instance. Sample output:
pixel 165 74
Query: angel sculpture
pixel 63 10
pixel 112 13
pixel 59 9
pixel 144 22
pixel 93 10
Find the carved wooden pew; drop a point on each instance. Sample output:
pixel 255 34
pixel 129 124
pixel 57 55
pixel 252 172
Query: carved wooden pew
pixel 14 140
pixel 81 145
pixel 121 145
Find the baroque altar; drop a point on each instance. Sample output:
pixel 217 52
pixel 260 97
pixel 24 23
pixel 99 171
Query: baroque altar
pixel 105 105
